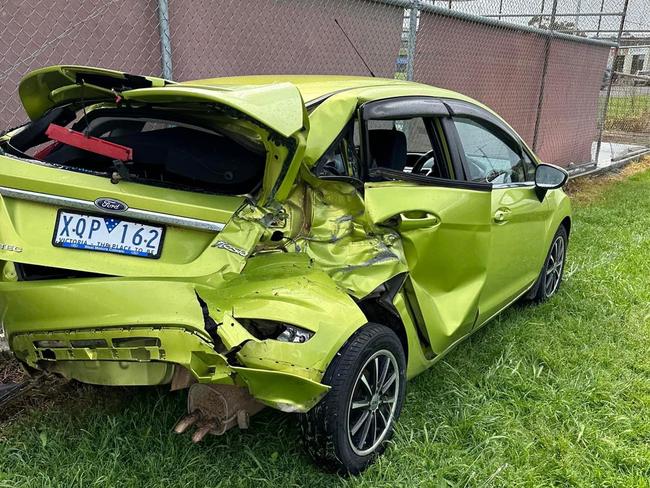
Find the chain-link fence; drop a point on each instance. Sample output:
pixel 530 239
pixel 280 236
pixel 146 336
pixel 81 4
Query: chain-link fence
pixel 548 66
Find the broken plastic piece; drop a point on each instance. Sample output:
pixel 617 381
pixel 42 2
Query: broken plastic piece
pixel 89 143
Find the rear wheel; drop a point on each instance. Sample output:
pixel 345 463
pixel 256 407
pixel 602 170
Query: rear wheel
pixel 351 426
pixel 550 277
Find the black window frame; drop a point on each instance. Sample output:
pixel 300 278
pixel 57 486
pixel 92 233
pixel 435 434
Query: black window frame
pixel 461 109
pixel 409 107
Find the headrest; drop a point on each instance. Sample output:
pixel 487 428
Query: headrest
pixel 388 148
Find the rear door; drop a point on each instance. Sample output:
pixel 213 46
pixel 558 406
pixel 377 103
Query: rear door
pixel 445 230
pixel 444 223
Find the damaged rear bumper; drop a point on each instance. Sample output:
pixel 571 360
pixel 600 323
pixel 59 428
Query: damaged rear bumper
pixel 140 334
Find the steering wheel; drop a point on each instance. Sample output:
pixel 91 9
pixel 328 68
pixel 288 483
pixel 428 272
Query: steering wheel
pixel 328 166
pixel 421 160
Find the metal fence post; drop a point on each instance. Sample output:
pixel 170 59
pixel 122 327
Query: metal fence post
pixel 165 39
pixel 600 17
pixel 547 49
pixel 603 117
pixel 412 38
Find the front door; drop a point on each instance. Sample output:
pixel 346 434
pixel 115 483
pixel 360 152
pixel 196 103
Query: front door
pixel 518 216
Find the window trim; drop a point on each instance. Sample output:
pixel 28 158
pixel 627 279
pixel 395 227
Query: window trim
pixel 395 175
pixel 396 108
pixel 455 148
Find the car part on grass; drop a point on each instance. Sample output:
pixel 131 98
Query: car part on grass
pixel 213 409
pixel 11 391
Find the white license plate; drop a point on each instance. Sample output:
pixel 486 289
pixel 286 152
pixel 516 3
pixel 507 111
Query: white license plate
pixel 107 234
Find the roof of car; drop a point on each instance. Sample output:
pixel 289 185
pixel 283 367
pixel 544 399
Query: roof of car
pixel 313 87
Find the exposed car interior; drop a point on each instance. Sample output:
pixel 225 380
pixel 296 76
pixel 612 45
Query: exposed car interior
pixel 165 151
pixel 412 146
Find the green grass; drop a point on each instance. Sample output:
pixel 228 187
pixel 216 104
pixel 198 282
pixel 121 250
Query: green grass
pixel 629 113
pixel 557 394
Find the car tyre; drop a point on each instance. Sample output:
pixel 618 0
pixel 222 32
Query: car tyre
pixel 352 425
pixel 550 277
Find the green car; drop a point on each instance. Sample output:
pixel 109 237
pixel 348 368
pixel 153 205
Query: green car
pixel 306 243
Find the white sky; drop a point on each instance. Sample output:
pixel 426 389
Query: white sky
pixel 638 16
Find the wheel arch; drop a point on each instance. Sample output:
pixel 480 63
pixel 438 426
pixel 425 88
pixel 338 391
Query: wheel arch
pixel 378 307
pixel 566 223
pixel 375 312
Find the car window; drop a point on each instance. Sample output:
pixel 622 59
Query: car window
pixel 342 158
pixel 401 145
pixel 414 130
pixel 491 155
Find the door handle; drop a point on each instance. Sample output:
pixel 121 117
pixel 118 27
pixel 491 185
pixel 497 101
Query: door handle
pixel 408 221
pixel 502 215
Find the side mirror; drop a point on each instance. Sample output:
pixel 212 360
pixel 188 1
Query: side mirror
pixel 549 177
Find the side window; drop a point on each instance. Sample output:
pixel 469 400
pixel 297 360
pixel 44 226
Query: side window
pixel 342 158
pixel 401 145
pixel 491 155
pixel 391 141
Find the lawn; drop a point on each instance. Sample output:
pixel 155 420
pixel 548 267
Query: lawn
pixel 557 394
pixel 630 114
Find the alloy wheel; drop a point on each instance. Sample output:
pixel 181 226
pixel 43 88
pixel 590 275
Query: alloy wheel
pixel 554 266
pixel 372 405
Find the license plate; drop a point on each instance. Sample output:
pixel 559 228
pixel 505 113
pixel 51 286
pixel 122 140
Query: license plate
pixel 107 234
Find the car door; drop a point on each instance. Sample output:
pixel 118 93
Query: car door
pixel 492 154
pixel 444 225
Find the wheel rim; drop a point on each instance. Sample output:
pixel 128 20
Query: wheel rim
pixel 554 266
pixel 372 405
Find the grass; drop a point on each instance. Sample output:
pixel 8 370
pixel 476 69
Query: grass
pixel 629 113
pixel 553 395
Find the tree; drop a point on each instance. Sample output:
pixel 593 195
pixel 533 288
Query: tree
pixel 544 22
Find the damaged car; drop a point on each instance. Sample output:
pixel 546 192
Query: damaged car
pixel 306 243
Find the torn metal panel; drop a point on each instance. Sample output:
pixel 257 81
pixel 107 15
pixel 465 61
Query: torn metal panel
pixel 286 392
pixel 286 288
pixel 232 334
pixel 328 118
pixel 336 234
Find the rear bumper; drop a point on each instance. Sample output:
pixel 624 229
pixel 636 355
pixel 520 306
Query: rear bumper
pixel 115 331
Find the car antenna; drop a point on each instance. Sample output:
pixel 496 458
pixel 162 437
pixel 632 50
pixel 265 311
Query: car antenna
pixel 355 49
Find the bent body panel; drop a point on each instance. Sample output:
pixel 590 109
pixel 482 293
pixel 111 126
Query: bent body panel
pixel 133 324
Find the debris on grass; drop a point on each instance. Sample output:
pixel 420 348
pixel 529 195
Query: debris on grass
pixel 11 371
pixel 589 188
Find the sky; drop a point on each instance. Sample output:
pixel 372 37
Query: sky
pixel 638 16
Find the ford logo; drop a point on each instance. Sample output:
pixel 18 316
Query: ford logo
pixel 111 205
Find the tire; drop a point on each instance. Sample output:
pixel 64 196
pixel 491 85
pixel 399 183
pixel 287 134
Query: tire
pixel 349 428
pixel 550 277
